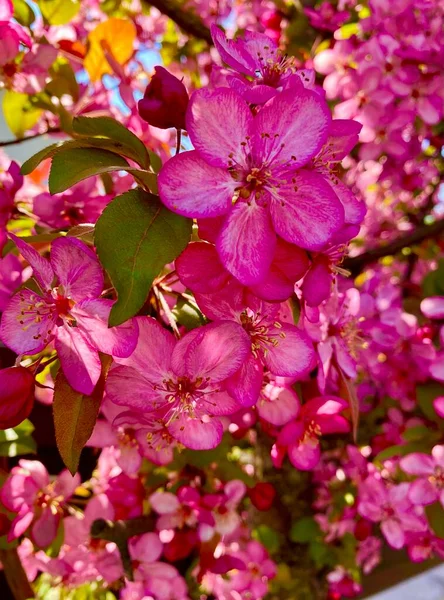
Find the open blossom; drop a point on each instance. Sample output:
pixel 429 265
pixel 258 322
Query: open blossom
pixel 282 348
pixel 257 173
pixel 36 500
pixel 68 310
pixel 12 275
pixel 11 34
pixel 391 507
pixel 300 438
pixel 182 381
pixel 428 487
pixel 258 68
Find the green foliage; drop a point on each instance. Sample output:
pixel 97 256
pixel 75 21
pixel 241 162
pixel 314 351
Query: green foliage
pixel 435 516
pixel 17 441
pixel 187 313
pixel 46 590
pixel 433 283
pixel 75 416
pixel 268 537
pixel 63 80
pixel 20 115
pixel 135 237
pixel 425 395
pixel 305 531
pixel 59 12
pixel 23 13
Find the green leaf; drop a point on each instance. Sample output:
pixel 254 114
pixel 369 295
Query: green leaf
pixel 420 432
pixel 63 80
pixel 435 516
pixel 74 165
pixel 75 416
pixel 19 113
pixel 402 450
pixel 23 13
pixel 268 537
pixel 108 128
pixel 18 448
pixel 155 160
pixel 425 395
pixel 23 430
pixel 305 530
pixel 59 12
pixel 187 313
pixel 135 237
pixel 433 283
pixel 54 548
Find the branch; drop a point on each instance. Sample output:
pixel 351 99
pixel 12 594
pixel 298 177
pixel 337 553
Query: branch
pixel 356 264
pixel 30 137
pixel 15 575
pixel 119 532
pixel 190 22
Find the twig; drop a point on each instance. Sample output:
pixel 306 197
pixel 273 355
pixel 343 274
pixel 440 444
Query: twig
pixel 30 137
pixel 189 21
pixel 15 574
pixel 166 309
pixel 120 532
pixel 356 264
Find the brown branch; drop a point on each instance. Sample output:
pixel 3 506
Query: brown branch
pixel 15 575
pixel 356 264
pixel 188 21
pixel 119 532
pixel 30 137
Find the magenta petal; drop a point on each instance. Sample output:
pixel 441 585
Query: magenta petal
pixel 393 533
pixel 293 355
pixel 189 186
pixel 200 269
pixel 19 525
pixel 438 405
pixel 79 360
pixel 231 52
pixel 305 455
pixel 146 547
pixel 245 385
pixel 25 327
pixel 297 122
pixel 354 209
pixel 121 383
pixel 196 433
pixel 278 405
pixel 246 242
pixel 217 351
pixel 218 121
pixel 41 268
pixel 417 464
pixel 220 404
pixel 44 529
pixel 433 307
pixel 92 317
pixel 423 492
pixel 77 268
pixel 317 283
pixel 309 214
pixel 343 136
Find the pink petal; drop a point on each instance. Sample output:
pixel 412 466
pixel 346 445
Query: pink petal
pixel 317 282
pixel 44 529
pixel 217 351
pixel 41 267
pixel 77 268
pixel 246 242
pixel 92 318
pixel 26 328
pixel 297 122
pixel 200 269
pixel 231 52
pixel 438 455
pixel 164 503
pixel 305 456
pixel 422 492
pixel 146 548
pixel 438 405
pixel 393 533
pixel 197 434
pixel 80 362
pixel 189 186
pixel 309 216
pixel 152 355
pixel 433 307
pixel 417 464
pixel 430 109
pixel 65 484
pixel 343 136
pixel 121 383
pixel 129 459
pixel 293 355
pixel 220 404
pixel 245 385
pixel 278 405
pixel 218 121
pixel 19 525
pixel 354 209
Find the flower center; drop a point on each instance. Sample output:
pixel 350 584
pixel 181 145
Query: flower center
pixel 262 339
pixel 437 479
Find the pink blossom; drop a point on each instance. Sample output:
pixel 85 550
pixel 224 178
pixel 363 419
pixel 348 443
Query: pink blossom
pixel 429 486
pixel 326 16
pixel 182 381
pixel 69 310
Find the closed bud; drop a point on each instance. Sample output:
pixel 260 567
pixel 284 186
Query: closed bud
pixel 16 396
pixel 165 101
pixel 262 495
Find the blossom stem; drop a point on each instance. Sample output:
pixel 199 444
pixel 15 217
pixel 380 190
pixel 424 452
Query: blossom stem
pixel 15 574
pixel 188 21
pixel 166 309
pixel 178 140
pixel 30 137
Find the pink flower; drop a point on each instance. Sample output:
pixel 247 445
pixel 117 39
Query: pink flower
pixel 12 275
pixel 391 507
pixel 37 501
pixel 325 16
pixel 260 163
pixel 300 438
pixel 282 348
pixel 182 381
pixel 259 68
pixel 259 570
pixel 429 486
pixel 68 310
pixel 165 101
pixel 278 403
pixel 11 34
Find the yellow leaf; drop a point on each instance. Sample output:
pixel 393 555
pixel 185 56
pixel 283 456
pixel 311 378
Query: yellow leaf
pixel 115 38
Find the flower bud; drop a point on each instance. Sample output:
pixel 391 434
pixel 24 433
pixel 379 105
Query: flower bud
pixel 16 396
pixel 262 495
pixel 165 101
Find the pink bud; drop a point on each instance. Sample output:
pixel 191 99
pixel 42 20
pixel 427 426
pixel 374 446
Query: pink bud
pixel 16 396
pixel 165 101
